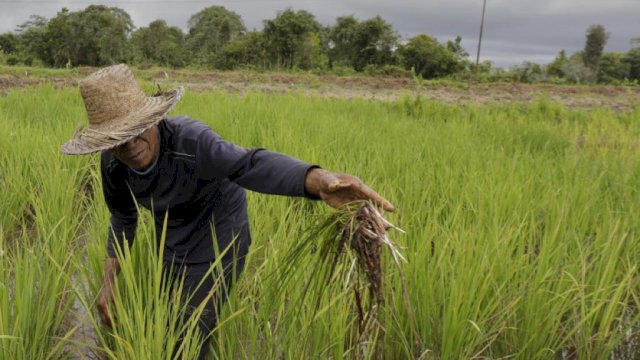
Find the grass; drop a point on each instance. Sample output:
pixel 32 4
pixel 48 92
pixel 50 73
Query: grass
pixel 40 233
pixel 147 307
pixel 521 240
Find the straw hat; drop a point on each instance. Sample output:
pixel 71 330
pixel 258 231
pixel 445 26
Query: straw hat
pixel 117 109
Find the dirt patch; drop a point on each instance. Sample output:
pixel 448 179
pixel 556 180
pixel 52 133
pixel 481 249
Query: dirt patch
pixel 382 88
pixel 11 81
pixel 8 82
pixel 616 98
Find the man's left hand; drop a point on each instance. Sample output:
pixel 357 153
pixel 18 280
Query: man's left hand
pixel 340 189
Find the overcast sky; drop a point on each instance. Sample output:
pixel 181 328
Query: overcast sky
pixel 515 30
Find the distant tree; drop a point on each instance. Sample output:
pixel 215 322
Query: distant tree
pixel 342 38
pixel 374 42
pixel 32 42
pixel 429 58
pixel 287 36
pixel 160 44
pixel 97 35
pixel 576 71
pixel 210 30
pixel 247 51
pixel 34 22
pixel 456 48
pixel 486 67
pixel 528 72
pixel 554 68
pixel 8 43
pixel 597 38
pixel 632 59
pixel 312 53
pixel 61 38
pixel 613 67
pixel 116 29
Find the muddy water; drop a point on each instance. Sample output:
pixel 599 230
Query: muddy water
pixel 629 349
pixel 85 334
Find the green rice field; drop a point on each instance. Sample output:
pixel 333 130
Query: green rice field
pixel 522 233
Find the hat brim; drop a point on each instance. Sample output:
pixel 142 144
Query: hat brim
pixel 119 131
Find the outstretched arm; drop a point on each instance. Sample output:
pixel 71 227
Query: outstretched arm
pixel 340 189
pixel 273 173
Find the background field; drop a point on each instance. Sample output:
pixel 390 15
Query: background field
pixel 348 86
pixel 521 225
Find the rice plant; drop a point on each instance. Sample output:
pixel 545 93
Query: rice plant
pixel 521 235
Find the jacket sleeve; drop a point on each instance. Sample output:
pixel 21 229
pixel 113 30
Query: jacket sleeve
pixel 257 170
pixel 124 214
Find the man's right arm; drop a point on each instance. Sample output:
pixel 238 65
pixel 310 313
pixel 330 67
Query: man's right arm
pixel 122 228
pixel 107 292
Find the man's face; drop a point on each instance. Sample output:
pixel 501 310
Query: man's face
pixel 139 152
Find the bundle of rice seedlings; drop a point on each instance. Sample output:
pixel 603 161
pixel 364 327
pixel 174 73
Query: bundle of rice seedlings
pixel 364 234
pixel 346 254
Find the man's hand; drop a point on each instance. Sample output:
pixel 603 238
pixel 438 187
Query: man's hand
pixel 107 292
pixel 340 189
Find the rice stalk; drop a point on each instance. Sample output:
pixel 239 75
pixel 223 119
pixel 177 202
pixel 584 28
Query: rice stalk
pixel 347 256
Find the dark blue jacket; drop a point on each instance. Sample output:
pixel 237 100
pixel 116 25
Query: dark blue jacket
pixel 198 180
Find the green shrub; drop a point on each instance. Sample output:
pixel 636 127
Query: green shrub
pixel 387 70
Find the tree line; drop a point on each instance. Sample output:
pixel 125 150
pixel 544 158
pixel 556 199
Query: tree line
pixel 589 65
pixel 217 39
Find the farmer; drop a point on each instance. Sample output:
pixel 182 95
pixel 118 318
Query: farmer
pixel 180 168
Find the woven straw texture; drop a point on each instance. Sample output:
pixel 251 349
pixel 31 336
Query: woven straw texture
pixel 117 109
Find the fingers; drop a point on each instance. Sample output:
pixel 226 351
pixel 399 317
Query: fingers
pixel 337 185
pixel 104 315
pixel 334 181
pixel 369 194
pixel 354 189
pixel 105 299
pixel 106 320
